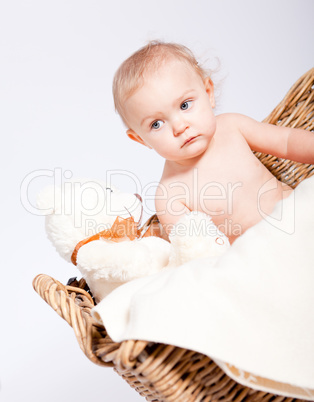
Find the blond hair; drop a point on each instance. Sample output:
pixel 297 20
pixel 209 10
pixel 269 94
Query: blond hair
pixel 130 75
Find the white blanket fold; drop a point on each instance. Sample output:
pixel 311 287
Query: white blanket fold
pixel 254 309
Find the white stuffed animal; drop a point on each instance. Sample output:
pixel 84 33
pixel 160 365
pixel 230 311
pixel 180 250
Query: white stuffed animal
pixel 196 236
pixel 82 209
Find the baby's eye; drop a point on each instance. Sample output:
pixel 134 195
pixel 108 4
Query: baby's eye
pixel 157 124
pixel 185 105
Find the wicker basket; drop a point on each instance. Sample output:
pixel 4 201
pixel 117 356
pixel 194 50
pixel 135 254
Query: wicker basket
pixel 163 372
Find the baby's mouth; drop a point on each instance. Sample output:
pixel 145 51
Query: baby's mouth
pixel 190 139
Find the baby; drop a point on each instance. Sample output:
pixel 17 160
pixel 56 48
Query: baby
pixel 167 102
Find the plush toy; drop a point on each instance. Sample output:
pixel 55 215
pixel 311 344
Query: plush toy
pixel 97 228
pixel 196 236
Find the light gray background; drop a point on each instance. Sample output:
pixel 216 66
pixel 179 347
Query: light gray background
pixel 56 111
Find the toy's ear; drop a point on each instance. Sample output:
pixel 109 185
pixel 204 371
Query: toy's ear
pixel 135 137
pixel 209 86
pixel 47 200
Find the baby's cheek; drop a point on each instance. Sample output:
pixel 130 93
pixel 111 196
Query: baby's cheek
pixel 204 120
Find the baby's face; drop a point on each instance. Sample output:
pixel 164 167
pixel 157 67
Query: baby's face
pixel 173 112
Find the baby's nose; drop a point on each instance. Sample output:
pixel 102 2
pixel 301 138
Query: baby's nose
pixel 180 127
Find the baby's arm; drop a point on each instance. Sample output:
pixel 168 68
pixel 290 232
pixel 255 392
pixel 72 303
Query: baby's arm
pixel 170 206
pixel 284 142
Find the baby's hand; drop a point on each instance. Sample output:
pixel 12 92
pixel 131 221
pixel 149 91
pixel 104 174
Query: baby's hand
pixel 196 236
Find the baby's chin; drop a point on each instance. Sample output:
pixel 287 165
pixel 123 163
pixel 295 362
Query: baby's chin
pixel 195 149
pixel 187 159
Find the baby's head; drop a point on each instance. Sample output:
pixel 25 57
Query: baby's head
pixel 130 75
pixel 153 84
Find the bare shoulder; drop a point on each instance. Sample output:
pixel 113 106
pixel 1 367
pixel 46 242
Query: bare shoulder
pixel 161 189
pixel 166 189
pixel 231 120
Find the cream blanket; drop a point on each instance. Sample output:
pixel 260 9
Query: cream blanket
pixel 253 309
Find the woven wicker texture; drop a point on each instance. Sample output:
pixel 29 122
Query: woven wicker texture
pixel 163 372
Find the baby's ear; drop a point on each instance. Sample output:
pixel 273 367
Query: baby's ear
pixel 135 137
pixel 209 86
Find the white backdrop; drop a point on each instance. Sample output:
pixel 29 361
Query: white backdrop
pixel 56 112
